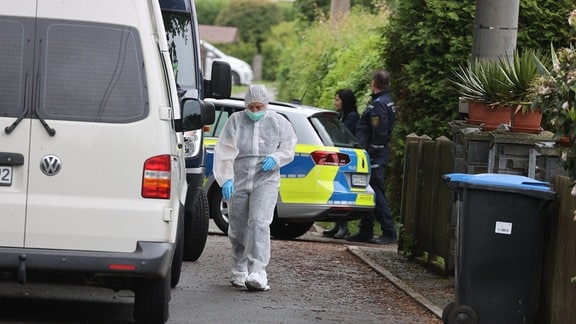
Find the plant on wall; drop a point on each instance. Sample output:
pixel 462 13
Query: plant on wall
pixel 502 82
pixel 521 73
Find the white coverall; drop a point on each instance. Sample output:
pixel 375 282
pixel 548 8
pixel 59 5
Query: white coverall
pixel 242 146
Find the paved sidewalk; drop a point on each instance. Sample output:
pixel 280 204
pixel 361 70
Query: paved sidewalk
pixel 426 287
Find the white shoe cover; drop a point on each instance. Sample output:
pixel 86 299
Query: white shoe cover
pixel 237 278
pixel 257 281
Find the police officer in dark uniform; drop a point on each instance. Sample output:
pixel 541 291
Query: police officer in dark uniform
pixel 373 132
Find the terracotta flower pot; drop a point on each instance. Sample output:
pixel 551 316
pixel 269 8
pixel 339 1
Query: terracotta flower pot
pixel 526 122
pixel 476 112
pixel 495 116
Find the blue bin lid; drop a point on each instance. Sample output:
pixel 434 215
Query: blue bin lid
pixel 501 182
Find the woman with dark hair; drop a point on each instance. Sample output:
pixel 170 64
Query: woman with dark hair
pixel 345 103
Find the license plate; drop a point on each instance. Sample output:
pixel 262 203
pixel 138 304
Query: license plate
pixel 359 180
pixel 5 175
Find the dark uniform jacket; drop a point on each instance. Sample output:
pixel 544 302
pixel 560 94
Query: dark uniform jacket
pixel 350 120
pixel 375 128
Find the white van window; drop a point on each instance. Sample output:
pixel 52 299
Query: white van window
pixel 182 50
pixel 11 66
pixel 91 72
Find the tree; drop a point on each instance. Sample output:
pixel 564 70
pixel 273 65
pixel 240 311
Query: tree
pixel 308 10
pixel 207 10
pixel 253 18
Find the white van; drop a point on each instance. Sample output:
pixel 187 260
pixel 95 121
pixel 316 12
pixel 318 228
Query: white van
pixel 242 73
pixel 92 173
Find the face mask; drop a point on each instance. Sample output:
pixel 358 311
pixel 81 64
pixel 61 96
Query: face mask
pixel 255 116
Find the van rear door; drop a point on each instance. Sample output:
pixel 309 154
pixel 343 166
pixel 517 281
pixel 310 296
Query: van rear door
pixel 88 130
pixel 16 29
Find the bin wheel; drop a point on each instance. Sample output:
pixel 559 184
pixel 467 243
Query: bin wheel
pixel 446 311
pixel 462 314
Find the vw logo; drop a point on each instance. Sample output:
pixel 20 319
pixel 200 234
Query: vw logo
pixel 50 165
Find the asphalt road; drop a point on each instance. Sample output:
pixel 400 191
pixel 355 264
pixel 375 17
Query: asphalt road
pixel 311 282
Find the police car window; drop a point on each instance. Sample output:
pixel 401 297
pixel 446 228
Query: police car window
pixel 222 115
pixel 92 72
pixel 332 131
pixel 288 119
pixel 209 130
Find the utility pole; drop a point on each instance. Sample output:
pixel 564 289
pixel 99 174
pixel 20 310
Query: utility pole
pixel 338 9
pixel 495 29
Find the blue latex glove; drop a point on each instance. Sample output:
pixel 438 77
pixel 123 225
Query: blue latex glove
pixel 227 190
pixel 268 164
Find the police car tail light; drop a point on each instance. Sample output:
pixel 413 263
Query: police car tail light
pixel 156 177
pixel 330 158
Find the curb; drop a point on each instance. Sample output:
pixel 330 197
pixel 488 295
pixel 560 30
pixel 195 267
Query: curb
pixel 396 281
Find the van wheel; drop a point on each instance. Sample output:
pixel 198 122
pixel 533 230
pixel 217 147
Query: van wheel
pixel 151 300
pixel 219 209
pixel 176 267
pixel 287 230
pixel 196 226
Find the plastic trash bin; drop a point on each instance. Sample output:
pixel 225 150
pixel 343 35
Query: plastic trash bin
pixel 499 247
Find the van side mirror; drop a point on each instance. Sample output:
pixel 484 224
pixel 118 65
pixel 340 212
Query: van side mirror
pixel 220 87
pixel 196 114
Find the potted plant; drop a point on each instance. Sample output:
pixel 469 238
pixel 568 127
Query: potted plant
pixel 470 89
pixel 503 89
pixel 483 83
pixel 521 73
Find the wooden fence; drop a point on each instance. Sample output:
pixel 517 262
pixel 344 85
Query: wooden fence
pixel 426 209
pixel 428 225
pixel 558 294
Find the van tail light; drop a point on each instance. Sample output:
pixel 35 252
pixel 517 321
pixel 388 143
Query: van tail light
pixel 330 158
pixel 122 267
pixel 156 177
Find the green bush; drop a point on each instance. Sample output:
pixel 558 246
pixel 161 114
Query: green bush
pixel 281 40
pixel 326 56
pixel 543 22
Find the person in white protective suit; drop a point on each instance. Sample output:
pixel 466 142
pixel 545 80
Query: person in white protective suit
pixel 251 148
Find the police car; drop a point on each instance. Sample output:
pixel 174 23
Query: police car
pixel 327 181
